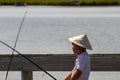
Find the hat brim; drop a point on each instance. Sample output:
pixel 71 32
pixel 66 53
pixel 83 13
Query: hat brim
pixel 72 40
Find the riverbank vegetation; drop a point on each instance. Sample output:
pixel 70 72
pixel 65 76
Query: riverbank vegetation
pixel 61 2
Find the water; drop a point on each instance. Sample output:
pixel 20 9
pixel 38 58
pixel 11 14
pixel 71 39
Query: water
pixel 47 29
pixel 59 75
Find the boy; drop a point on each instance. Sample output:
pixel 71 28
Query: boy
pixel 81 69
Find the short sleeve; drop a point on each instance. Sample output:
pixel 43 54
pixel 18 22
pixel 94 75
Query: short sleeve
pixel 81 64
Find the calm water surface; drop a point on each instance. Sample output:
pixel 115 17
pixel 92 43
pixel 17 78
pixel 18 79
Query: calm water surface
pixel 47 29
pixel 60 75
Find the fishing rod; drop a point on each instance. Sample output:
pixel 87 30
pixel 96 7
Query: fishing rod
pixel 15 45
pixel 29 60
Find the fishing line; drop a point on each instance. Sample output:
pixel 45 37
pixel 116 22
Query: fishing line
pixel 15 45
pixel 29 60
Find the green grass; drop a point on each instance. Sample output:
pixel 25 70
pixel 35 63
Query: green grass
pixel 62 2
pixel 98 2
pixel 48 2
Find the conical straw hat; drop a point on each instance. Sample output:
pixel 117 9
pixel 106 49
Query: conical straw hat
pixel 82 41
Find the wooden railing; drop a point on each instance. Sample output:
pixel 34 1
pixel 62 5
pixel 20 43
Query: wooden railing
pixel 57 62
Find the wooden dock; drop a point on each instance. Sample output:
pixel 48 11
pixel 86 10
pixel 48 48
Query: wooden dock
pixel 57 62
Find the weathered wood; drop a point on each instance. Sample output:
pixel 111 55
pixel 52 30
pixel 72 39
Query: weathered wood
pixel 105 62
pixel 59 62
pixel 27 75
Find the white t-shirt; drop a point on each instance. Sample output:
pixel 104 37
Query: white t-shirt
pixel 83 64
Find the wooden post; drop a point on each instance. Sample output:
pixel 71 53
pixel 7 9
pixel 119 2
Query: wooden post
pixel 27 75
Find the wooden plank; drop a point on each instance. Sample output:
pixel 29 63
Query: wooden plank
pixel 105 62
pixel 59 62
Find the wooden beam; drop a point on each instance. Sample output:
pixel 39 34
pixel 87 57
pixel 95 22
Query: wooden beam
pixel 59 62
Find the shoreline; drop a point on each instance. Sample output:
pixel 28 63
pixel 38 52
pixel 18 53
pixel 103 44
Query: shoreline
pixel 57 6
pixel 62 3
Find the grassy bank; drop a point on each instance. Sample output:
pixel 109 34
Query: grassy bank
pixel 99 2
pixel 61 2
